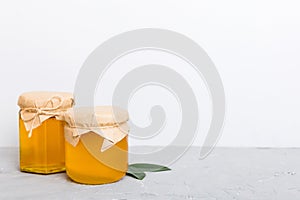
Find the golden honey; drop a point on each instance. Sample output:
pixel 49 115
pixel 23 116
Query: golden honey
pixel 84 167
pixel 96 144
pixel 41 131
pixel 44 151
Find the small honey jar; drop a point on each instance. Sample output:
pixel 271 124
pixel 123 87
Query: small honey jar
pixel 96 144
pixel 41 131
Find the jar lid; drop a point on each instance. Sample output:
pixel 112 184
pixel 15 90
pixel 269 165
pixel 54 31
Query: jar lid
pixel 96 116
pixel 43 99
pixel 37 107
pixel 107 121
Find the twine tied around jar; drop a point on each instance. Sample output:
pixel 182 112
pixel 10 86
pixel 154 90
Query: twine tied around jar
pixel 33 117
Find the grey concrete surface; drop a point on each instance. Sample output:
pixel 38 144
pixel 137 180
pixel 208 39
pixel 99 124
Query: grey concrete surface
pixel 228 173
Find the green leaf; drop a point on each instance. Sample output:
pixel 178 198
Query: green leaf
pixel 137 175
pixel 145 167
pixel 138 170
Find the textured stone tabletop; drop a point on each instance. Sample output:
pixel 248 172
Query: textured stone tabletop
pixel 227 173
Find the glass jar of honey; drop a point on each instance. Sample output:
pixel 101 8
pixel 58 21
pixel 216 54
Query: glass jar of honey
pixel 96 144
pixel 41 131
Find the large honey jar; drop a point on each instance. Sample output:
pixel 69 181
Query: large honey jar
pixel 96 144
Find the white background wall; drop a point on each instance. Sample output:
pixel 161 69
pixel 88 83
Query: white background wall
pixel 254 44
